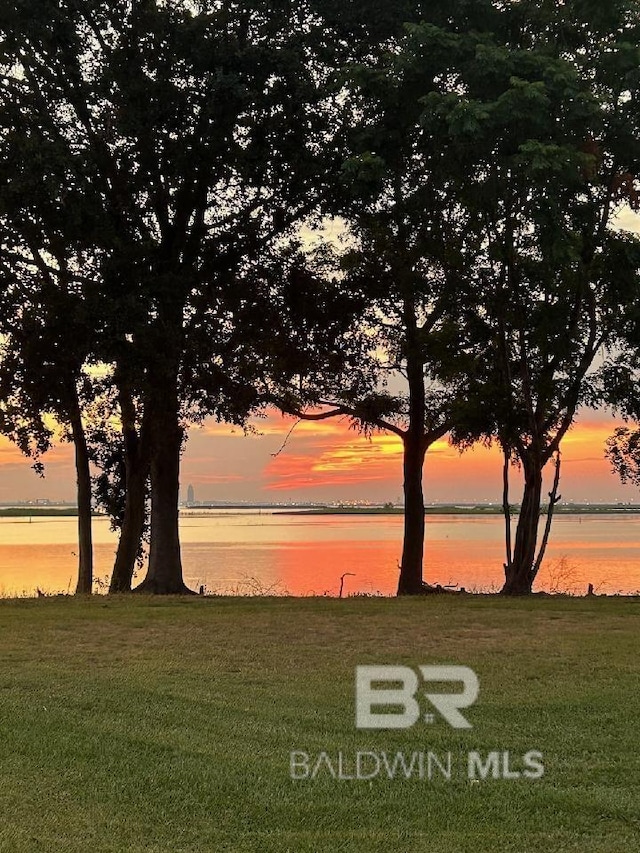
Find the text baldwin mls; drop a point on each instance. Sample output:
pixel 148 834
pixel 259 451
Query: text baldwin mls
pixel 373 691
pixel 419 764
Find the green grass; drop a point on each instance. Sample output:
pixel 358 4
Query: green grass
pixel 166 725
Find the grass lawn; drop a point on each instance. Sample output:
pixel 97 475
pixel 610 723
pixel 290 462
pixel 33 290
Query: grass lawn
pixel 167 725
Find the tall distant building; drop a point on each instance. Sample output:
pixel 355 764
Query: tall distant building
pixel 191 495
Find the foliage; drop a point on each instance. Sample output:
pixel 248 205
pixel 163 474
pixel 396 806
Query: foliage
pixel 155 156
pixel 158 161
pixel 623 452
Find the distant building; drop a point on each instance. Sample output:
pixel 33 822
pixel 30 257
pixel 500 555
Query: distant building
pixel 191 495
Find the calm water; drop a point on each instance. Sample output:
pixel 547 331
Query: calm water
pixel 247 551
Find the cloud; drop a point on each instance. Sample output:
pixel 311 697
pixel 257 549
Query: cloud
pixel 331 460
pixel 628 220
pixel 347 461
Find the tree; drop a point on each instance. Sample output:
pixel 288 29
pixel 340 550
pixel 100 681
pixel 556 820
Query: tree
pixel 411 242
pixel 623 451
pixel 491 152
pixel 46 319
pixel 192 127
pixel 118 449
pixel 41 373
pixel 619 376
pixel 549 113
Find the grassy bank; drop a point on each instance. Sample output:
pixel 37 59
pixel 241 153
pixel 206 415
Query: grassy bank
pixel 166 726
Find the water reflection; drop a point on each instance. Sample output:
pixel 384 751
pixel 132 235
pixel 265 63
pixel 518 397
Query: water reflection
pixel 303 555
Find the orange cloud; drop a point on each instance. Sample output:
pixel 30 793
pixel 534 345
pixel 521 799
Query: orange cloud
pixel 351 458
pixel 9 453
pixel 328 458
pixel 322 457
pixel 11 457
pixel 588 437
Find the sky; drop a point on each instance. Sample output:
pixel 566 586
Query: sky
pixel 326 461
pixel 329 461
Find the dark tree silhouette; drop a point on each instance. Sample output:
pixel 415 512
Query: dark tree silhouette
pixel 191 133
pixel 555 131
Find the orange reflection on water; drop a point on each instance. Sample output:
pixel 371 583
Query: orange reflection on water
pixel 310 570
pixel 251 552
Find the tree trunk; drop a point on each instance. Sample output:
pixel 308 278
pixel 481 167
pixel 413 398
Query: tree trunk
pixel 506 508
pixel 414 448
pixel 132 529
pixel 136 475
pixel 83 482
pixel 554 498
pixel 164 576
pixel 410 582
pixel 519 576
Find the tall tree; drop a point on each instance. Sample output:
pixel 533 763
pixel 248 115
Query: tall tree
pixel 619 376
pixel 46 311
pixel 118 448
pixel 623 451
pixel 552 114
pixel 41 374
pixel 492 145
pixel 194 126
pixel 412 242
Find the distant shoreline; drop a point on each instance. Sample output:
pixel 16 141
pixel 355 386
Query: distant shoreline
pixel 450 509
pixel 440 509
pixel 42 511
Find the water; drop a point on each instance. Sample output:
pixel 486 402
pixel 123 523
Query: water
pixel 251 551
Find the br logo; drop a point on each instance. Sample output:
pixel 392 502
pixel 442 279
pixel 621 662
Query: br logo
pixel 402 695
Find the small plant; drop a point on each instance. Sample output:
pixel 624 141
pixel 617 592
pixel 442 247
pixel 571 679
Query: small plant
pixel 371 594
pixel 101 584
pixel 250 587
pixel 561 577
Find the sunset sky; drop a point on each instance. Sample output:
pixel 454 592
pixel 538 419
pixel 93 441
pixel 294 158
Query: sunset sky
pixel 327 461
pixel 330 462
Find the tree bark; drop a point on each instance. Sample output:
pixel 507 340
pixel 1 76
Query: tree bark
pixel 164 575
pixel 411 582
pixel 506 508
pixel 414 449
pixel 132 527
pixel 136 475
pixel 554 498
pixel 83 484
pixel 519 576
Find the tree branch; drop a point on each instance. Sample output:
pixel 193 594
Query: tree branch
pixel 554 498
